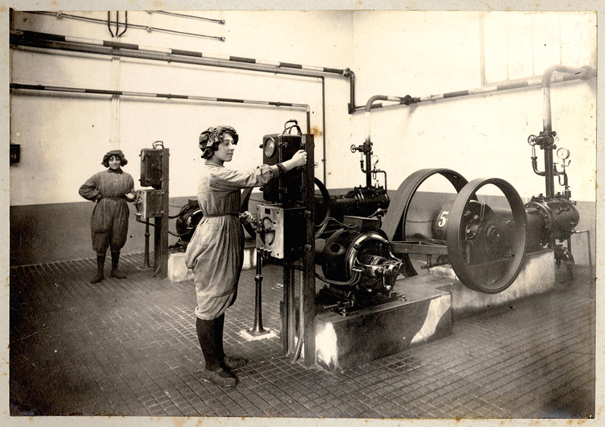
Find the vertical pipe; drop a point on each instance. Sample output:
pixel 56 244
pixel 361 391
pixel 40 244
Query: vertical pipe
pixel 308 116
pixel 548 167
pixel 589 255
pixel 367 146
pixel 369 165
pixel 482 47
pixel 583 73
pixel 351 75
pixel 368 118
pixel 546 113
pixel 307 284
pixel 589 250
pixel 323 128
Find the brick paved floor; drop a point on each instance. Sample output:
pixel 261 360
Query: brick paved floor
pixel 129 347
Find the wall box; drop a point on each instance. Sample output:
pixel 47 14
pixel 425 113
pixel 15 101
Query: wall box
pixel 15 153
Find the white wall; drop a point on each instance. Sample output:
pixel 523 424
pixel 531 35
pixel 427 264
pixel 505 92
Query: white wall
pixel 63 137
pixel 424 53
pixel 392 53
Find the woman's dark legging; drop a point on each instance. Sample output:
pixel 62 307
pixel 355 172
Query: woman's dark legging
pixel 210 335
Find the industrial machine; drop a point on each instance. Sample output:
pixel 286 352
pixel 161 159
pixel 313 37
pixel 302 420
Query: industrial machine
pixel 358 243
pixel 152 203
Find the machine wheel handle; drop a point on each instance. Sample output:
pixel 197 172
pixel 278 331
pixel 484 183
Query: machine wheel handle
pixel 458 246
pixel 243 207
pixel 324 194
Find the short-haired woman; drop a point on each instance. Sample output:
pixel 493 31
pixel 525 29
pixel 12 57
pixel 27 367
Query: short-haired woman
pixel 215 252
pixel 110 189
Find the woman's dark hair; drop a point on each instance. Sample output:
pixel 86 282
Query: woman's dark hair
pixel 212 137
pixel 117 153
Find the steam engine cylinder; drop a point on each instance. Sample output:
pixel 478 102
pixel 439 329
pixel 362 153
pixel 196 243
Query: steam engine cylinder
pixel 549 219
pixel 360 202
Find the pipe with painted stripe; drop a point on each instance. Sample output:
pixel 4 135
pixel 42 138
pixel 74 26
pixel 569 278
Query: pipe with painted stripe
pixel 28 38
pixel 51 41
pixel 306 107
pixel 583 73
pixel 32 35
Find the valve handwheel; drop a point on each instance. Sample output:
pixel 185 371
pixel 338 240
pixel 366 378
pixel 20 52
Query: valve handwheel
pixel 485 248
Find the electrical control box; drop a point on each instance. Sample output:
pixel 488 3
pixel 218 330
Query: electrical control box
pixel 278 148
pixel 149 203
pixel 151 167
pixel 282 231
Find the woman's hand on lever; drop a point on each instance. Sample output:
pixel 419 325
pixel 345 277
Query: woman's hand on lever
pixel 298 159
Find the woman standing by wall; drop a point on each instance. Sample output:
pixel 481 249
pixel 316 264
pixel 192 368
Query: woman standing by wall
pixel 110 190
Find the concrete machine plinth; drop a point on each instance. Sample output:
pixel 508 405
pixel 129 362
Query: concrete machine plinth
pixel 432 301
pixel 343 342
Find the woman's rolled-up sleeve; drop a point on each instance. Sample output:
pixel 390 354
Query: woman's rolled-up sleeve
pixel 229 179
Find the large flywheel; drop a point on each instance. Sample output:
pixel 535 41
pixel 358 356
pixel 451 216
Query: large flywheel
pixel 394 224
pixel 486 247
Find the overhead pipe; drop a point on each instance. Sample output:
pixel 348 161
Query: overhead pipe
pixel 517 84
pixel 347 73
pixel 103 47
pixel 569 73
pixel 182 15
pixel 19 86
pixel 79 44
pixel 584 73
pixel 548 136
pixel 61 15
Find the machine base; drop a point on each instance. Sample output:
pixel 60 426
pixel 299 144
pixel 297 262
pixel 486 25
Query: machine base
pixel 537 276
pixel 433 300
pixel 371 333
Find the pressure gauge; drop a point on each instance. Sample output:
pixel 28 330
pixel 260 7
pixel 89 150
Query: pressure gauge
pixel 563 153
pixel 270 145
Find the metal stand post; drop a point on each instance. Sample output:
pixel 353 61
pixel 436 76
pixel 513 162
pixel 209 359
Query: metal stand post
pixel 146 265
pixel 161 223
pixel 258 329
pixel 308 283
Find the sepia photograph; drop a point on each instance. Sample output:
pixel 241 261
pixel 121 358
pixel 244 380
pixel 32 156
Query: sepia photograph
pixel 333 214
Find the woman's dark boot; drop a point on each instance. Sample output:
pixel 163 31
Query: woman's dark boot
pixel 213 371
pixel 227 362
pixel 100 264
pixel 115 260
